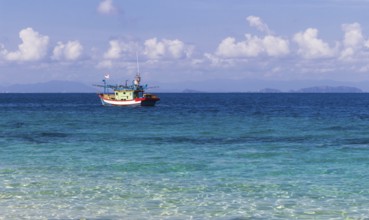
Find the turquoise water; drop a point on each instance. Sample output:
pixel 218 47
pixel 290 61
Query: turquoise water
pixel 193 156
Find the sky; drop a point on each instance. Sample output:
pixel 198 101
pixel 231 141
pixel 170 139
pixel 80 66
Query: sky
pixel 280 43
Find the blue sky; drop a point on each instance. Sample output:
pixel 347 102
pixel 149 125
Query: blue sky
pixel 182 41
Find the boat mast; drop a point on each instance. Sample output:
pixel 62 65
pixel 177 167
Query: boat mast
pixel 138 77
pixel 138 66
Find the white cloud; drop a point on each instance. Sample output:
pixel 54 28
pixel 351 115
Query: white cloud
pixel 253 46
pixel 230 51
pixel 72 50
pixel 107 7
pixel 121 53
pixel 154 49
pixel 175 48
pixel 33 47
pixel 353 35
pixel 347 53
pixel 258 24
pixel 229 48
pixel 353 40
pixel 172 49
pixel 117 50
pixel 114 51
pixel 310 46
pixel 275 46
pixel 218 61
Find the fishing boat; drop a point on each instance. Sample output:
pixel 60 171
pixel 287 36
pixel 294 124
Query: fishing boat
pixel 126 95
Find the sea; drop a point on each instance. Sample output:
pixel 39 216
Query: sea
pixel 226 156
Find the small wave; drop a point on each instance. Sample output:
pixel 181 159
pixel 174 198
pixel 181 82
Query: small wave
pixel 53 134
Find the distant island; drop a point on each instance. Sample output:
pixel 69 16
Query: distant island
pixel 77 87
pixel 329 89
pixel 317 89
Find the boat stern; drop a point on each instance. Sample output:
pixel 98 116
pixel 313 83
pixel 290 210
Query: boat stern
pixel 149 100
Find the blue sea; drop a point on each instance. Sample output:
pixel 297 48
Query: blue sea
pixel 193 156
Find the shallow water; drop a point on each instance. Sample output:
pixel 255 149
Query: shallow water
pixel 199 156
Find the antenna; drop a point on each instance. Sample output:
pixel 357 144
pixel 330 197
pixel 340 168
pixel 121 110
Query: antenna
pixel 138 77
pixel 138 66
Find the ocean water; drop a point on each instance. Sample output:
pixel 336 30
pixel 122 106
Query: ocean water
pixel 193 156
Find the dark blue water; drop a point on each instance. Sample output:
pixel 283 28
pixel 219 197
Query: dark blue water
pixel 199 156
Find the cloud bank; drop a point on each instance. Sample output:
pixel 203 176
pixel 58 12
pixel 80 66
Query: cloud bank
pixel 303 51
pixel 305 48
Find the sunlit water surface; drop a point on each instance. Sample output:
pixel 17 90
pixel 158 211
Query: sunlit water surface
pixel 193 156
